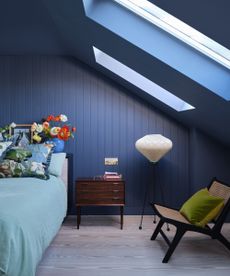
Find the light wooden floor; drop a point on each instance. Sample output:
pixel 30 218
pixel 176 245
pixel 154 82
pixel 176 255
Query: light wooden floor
pixel 100 248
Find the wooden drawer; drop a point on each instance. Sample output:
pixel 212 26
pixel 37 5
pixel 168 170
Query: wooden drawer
pixel 100 186
pixel 101 201
pixel 100 196
pixel 100 193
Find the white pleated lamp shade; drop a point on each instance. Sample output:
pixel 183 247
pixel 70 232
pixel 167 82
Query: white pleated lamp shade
pixel 153 146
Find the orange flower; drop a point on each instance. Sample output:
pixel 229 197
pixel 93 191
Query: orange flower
pixel 57 118
pixel 64 133
pixel 74 129
pixel 50 118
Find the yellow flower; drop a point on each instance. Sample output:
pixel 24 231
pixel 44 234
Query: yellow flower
pixel 37 138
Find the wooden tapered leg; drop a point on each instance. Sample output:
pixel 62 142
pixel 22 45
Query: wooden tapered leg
pixel 78 216
pixel 122 216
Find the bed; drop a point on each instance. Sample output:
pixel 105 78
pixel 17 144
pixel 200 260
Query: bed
pixel 31 213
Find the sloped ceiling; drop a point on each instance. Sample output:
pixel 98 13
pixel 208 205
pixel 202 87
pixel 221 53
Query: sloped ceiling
pixel 57 27
pixel 210 17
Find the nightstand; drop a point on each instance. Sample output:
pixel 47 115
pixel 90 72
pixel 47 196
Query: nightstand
pixel 99 192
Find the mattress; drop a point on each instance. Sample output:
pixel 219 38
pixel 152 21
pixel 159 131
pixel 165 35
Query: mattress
pixel 31 213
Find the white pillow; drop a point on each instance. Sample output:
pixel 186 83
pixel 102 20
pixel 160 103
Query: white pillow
pixel 56 163
pixel 4 146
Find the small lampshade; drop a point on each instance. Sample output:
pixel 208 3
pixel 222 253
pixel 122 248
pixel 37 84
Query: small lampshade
pixel 153 146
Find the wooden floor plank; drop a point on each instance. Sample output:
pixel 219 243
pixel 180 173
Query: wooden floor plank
pixel 100 248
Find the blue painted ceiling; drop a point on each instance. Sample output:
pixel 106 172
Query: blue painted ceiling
pixel 57 27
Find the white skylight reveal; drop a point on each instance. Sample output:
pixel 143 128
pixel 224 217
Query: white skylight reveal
pixel 179 29
pixel 140 81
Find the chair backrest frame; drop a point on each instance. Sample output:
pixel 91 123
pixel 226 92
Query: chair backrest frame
pixel 218 223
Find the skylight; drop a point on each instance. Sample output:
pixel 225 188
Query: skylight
pixel 179 29
pixel 140 81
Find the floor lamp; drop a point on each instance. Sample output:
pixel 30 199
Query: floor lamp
pixel 153 147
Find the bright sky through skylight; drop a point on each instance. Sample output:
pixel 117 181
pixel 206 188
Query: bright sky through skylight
pixel 179 29
pixel 140 81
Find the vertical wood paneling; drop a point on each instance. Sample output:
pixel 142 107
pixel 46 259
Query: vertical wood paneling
pixel 108 121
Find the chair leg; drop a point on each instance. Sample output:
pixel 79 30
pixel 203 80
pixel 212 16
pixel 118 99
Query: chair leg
pixel 223 240
pixel 157 230
pixel 179 234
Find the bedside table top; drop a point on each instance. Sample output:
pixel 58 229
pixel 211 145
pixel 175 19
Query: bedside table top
pixel 97 179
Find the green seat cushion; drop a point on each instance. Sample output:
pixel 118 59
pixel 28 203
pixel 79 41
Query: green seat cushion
pixel 202 208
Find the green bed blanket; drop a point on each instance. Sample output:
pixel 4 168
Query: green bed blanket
pixel 31 213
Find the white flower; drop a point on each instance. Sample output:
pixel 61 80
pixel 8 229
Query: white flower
pixel 39 128
pixel 63 118
pixel 33 127
pixel 54 131
pixel 13 125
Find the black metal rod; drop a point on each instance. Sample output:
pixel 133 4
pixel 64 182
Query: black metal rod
pixel 145 199
pixel 163 201
pixel 143 207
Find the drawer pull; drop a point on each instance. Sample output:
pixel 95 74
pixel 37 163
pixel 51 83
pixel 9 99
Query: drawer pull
pixel 116 198
pixel 116 191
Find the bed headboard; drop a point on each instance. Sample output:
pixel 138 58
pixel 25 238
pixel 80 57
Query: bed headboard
pixel 67 178
pixel 64 175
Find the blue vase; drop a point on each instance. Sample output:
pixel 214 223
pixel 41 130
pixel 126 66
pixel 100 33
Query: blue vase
pixel 58 145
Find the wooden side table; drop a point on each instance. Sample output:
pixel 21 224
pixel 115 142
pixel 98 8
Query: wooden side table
pixel 99 192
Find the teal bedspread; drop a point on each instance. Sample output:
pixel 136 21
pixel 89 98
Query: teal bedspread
pixel 31 213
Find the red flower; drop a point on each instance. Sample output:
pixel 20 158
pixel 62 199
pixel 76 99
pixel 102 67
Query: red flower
pixel 64 133
pixel 74 129
pixel 50 118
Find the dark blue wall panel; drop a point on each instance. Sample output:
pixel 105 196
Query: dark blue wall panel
pixel 108 121
pixel 208 159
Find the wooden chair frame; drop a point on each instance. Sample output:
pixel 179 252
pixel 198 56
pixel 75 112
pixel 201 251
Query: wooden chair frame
pixel 182 228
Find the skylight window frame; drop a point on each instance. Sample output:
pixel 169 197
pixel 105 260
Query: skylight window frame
pixel 140 81
pixel 178 29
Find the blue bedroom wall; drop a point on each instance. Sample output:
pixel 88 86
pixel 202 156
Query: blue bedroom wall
pixel 109 120
pixel 208 159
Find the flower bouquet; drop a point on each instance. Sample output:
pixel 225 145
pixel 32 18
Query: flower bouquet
pixel 52 127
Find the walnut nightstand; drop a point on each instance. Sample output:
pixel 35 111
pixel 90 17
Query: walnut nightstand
pixel 99 192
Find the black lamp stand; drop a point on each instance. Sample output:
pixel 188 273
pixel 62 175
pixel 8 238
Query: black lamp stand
pixel 147 189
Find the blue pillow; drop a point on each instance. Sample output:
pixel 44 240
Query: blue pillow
pixel 56 163
pixel 41 153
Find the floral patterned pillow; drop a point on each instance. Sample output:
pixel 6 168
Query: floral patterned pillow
pixel 11 168
pixel 18 154
pixel 4 146
pixel 32 161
